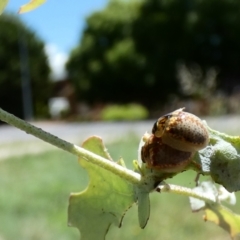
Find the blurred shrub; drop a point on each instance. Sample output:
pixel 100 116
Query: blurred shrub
pixel 124 112
pixel 196 83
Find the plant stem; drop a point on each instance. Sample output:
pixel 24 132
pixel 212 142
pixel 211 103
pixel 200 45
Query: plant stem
pixel 125 173
pixel 184 191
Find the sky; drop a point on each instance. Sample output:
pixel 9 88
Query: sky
pixel 59 23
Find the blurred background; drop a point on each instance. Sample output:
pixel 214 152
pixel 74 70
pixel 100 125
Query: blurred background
pixel 121 60
pixel 70 67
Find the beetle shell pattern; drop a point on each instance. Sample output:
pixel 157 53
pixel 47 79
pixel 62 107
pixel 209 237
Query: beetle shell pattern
pixel 160 156
pixel 182 131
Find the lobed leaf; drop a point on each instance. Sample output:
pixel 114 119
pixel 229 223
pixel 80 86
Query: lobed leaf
pixel 3 4
pixel 213 193
pixel 143 207
pixel 209 190
pixel 223 217
pixel 104 202
pixel 214 211
pixel 31 6
pixel 221 160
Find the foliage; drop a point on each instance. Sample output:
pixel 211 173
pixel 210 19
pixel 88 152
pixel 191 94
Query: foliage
pixel 136 185
pixel 106 58
pixel 217 213
pixel 194 83
pixel 124 112
pixel 25 8
pixel 192 32
pixel 12 34
pixel 44 215
pixel 134 47
pixel 3 4
pixel 221 160
pixel 149 178
pixel 31 5
pixel 98 203
pixel 113 188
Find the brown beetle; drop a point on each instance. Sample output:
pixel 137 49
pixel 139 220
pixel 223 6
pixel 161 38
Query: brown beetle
pixel 182 131
pixel 160 156
pixel 175 138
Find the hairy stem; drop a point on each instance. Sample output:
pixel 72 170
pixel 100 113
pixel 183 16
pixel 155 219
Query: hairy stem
pixel 184 191
pixel 127 174
pixel 71 148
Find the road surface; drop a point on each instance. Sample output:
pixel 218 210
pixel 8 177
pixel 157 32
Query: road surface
pixel 15 142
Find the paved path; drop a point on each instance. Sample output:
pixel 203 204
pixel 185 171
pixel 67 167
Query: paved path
pixel 15 142
pixel 77 131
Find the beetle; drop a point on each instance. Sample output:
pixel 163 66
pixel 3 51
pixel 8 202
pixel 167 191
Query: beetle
pixel 182 131
pixel 175 138
pixel 157 155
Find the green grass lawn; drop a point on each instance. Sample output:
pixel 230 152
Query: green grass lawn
pixel 34 199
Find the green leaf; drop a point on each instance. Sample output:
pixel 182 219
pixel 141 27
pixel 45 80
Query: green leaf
pixel 221 160
pixel 209 190
pixel 3 4
pixel 216 193
pixel 31 6
pixel 223 217
pixel 214 211
pixel 143 207
pixel 104 202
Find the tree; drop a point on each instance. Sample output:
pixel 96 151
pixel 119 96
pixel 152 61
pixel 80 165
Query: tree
pixel 216 39
pixel 191 31
pixel 106 66
pixel 12 29
pixel 130 50
pixel 179 142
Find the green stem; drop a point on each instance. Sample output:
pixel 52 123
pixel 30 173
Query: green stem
pixel 127 174
pixel 184 191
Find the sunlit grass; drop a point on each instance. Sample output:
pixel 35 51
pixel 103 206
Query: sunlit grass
pixel 34 191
